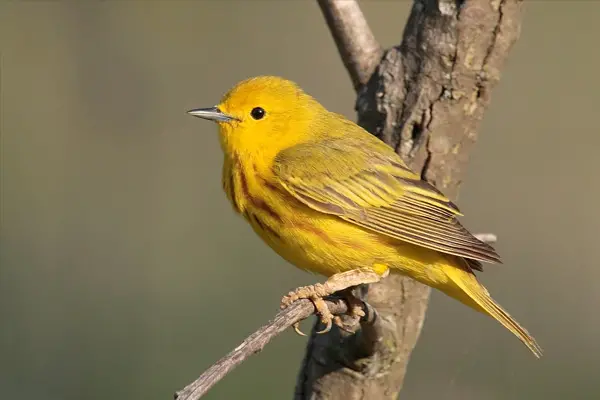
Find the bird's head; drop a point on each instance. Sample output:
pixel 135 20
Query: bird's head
pixel 263 113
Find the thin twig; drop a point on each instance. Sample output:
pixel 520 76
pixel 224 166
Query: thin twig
pixel 355 42
pixel 254 343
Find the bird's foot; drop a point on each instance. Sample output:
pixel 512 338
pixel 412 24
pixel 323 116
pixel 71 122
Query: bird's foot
pixel 335 283
pixel 355 311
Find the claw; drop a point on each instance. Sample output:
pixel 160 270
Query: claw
pixel 296 327
pixel 337 320
pixel 324 313
pixel 327 327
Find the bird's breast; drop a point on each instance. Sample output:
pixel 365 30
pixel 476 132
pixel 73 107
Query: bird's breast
pixel 307 238
pixel 253 195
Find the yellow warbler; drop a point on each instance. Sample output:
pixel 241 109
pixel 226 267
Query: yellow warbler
pixel 331 198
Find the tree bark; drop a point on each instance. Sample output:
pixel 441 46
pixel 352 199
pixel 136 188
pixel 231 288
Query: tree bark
pixel 426 99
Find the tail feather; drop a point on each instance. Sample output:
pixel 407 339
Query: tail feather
pixel 477 297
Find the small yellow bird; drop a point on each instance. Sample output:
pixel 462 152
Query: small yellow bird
pixel 331 198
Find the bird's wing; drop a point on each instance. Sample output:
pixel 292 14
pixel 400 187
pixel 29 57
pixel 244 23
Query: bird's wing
pixel 366 183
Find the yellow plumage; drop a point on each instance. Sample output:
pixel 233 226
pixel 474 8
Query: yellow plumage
pixel 330 198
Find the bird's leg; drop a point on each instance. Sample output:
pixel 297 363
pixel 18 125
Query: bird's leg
pixel 335 283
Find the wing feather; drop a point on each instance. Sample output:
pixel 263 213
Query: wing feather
pixel 366 183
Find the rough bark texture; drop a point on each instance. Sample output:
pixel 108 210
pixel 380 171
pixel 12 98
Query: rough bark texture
pixel 426 99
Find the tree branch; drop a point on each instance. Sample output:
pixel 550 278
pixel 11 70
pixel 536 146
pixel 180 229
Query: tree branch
pixel 254 343
pixel 298 311
pixel 355 42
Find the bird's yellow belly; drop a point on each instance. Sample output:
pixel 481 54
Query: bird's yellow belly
pixel 327 245
pixel 324 247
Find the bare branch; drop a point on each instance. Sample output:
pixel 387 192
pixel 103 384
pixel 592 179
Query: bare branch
pixel 254 343
pixel 370 335
pixel 356 44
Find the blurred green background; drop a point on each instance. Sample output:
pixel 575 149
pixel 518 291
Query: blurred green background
pixel 125 273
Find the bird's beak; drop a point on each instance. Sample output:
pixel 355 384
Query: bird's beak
pixel 211 114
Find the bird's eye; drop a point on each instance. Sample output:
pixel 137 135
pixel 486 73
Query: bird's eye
pixel 257 113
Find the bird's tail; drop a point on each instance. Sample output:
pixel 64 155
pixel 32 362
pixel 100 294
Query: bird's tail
pixel 474 295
